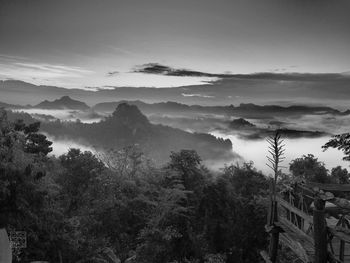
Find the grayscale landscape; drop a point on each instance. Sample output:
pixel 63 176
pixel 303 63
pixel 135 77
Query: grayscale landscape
pixel 139 131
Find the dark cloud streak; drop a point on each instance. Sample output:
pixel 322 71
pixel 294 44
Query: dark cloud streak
pixel 112 73
pixel 159 69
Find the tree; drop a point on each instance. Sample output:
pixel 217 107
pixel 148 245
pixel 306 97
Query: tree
pixel 246 180
pixel 187 163
pixel 23 196
pixel 308 168
pixel 233 214
pixel 81 169
pixel 340 175
pixel 173 232
pixel 21 167
pixel 126 162
pixel 164 238
pixel 34 141
pixel 340 142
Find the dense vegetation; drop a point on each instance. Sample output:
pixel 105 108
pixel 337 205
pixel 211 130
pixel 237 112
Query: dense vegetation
pixel 119 207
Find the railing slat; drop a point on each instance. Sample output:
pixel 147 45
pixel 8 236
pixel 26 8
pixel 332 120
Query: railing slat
pixel 289 226
pixel 330 187
pixel 293 209
pixel 339 234
pixel 265 256
pixel 297 240
pixel 296 246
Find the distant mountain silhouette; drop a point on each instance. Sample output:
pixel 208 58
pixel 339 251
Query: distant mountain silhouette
pixel 128 126
pixel 130 116
pixel 248 110
pixel 6 105
pixel 64 102
pixel 169 106
pixel 292 133
pixel 260 88
pixel 262 133
pixel 241 124
pixel 253 109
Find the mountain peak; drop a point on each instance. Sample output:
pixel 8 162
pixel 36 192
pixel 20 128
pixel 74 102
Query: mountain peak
pixel 65 102
pixel 66 98
pixel 241 123
pixel 127 114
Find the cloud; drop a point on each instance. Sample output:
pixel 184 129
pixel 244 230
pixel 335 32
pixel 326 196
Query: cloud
pixel 159 69
pixel 122 50
pixel 40 72
pixel 197 95
pixel 112 73
pixel 58 69
pixel 293 76
pixel 11 58
pixel 276 74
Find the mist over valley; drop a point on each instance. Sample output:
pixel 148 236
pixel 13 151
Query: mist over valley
pixel 71 123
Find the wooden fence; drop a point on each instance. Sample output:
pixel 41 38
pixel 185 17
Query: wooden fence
pixel 312 221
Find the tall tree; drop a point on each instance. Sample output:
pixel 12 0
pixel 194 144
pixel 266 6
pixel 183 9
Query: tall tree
pixel 309 168
pixel 23 166
pixel 340 175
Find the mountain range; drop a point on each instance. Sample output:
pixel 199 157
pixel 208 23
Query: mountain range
pixel 246 110
pixel 128 126
pixel 284 89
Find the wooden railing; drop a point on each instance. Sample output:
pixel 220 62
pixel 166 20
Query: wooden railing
pixel 311 221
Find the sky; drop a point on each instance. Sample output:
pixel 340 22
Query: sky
pixel 99 43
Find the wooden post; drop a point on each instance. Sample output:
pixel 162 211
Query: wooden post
pixel 320 231
pixel 341 250
pixel 273 247
pixel 342 243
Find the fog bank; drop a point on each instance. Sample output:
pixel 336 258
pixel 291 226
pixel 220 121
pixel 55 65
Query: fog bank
pixel 256 151
pixel 60 147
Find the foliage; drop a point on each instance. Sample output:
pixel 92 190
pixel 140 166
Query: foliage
pixel 119 207
pixel 340 175
pixel 308 168
pixel 340 142
pixel 246 180
pixel 276 154
pixel 34 141
pixel 23 196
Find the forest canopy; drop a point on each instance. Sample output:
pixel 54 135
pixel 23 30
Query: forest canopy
pixel 119 207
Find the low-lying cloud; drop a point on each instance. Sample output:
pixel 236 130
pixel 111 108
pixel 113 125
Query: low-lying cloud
pixel 197 95
pixel 62 146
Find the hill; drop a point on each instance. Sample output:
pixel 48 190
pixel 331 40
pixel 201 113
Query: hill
pixel 248 110
pixel 164 107
pixel 65 102
pixel 6 105
pixel 241 124
pixel 128 126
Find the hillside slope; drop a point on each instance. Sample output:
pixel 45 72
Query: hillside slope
pixel 128 126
